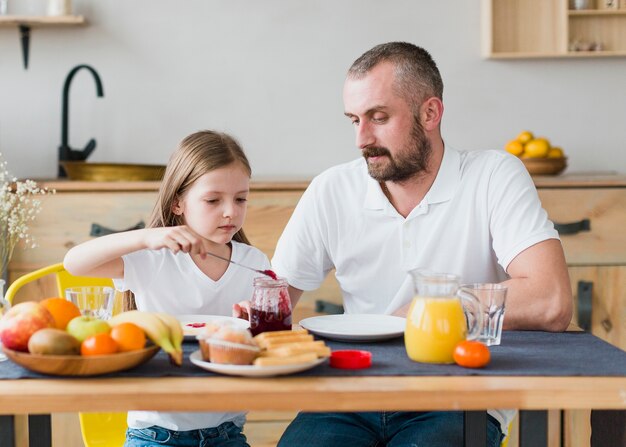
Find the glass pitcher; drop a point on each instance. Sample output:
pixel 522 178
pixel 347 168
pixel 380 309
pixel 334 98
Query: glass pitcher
pixel 270 306
pixel 437 321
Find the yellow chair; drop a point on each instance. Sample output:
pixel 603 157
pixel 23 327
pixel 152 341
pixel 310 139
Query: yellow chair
pixel 98 429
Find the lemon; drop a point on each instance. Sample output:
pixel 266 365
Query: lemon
pixel 525 137
pixel 537 148
pixel 514 147
pixel 555 152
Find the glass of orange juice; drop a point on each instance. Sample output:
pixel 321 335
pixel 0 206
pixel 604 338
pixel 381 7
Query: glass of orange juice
pixel 437 319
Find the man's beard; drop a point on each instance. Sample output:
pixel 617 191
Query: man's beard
pixel 409 161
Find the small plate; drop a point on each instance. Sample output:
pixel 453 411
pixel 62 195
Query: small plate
pixel 355 327
pixel 251 370
pixel 191 332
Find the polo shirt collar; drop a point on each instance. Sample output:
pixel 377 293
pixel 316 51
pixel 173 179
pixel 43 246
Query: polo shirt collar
pixel 448 178
pixel 375 198
pixel 443 188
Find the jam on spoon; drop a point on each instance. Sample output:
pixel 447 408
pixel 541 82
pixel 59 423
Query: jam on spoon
pixel 269 273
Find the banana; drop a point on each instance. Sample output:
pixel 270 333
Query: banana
pixel 155 329
pixel 176 330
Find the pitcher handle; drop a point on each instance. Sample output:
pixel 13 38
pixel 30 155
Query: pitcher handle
pixel 474 308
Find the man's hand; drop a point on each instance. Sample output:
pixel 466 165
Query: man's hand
pixel 242 310
pixel 402 311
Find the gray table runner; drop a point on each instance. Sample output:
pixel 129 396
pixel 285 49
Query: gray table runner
pixel 522 353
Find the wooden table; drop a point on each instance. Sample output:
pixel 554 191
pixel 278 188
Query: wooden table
pixel 44 396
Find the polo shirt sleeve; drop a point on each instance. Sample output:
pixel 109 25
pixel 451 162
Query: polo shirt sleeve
pixel 517 219
pixel 301 254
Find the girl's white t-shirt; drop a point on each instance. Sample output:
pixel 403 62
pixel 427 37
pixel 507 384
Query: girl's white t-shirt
pixel 166 282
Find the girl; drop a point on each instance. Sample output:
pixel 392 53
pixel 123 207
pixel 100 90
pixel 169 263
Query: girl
pixel 200 208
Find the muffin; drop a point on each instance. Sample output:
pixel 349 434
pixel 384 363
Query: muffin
pixel 204 335
pixel 232 345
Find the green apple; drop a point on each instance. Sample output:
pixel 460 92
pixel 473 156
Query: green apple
pixel 84 327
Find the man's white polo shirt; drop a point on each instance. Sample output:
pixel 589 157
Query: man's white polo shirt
pixel 480 213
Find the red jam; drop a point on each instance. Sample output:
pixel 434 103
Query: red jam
pixel 270 273
pixel 196 324
pixel 270 307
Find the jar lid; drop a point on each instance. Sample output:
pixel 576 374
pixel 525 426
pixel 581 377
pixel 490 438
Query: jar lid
pixel 351 359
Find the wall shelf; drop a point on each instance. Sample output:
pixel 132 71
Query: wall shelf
pixel 25 23
pixel 41 20
pixel 525 29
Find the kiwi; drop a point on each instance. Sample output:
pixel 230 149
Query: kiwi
pixel 53 342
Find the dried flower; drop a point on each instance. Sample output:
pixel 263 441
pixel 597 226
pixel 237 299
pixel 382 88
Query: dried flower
pixel 18 207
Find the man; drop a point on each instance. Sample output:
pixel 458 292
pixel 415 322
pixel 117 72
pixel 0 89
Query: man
pixel 412 202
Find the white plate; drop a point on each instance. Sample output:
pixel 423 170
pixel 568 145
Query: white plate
pixel 190 333
pixel 251 370
pixel 355 327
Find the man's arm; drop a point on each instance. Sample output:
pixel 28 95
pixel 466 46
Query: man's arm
pixel 539 295
pixel 294 295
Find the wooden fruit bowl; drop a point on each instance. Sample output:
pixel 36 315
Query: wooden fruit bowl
pixel 545 166
pixel 76 365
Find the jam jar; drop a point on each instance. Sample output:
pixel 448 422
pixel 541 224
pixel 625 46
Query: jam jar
pixel 270 306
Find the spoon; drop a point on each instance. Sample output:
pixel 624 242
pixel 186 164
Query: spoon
pixel 269 273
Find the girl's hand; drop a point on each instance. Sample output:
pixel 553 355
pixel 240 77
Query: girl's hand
pixel 242 310
pixel 180 238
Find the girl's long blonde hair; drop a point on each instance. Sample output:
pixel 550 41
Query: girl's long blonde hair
pixel 197 154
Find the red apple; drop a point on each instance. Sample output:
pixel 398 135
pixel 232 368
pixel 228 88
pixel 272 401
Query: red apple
pixel 22 321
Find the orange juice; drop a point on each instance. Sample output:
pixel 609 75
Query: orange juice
pixel 434 326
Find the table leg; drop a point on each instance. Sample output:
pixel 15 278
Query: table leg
pixel 39 430
pixel 7 430
pixel 533 428
pixel 475 428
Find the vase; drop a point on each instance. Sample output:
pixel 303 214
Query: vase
pixel 4 307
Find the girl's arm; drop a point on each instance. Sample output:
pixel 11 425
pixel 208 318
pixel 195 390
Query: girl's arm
pixel 102 257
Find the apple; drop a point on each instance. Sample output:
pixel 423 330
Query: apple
pixel 84 327
pixel 22 321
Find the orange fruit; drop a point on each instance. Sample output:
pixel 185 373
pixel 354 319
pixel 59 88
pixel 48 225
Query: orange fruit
pixel 525 136
pixel 62 310
pixel 556 152
pixel 537 148
pixel 514 147
pixel 128 336
pixel 99 344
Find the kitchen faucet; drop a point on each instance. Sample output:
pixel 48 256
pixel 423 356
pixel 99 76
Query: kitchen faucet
pixel 66 153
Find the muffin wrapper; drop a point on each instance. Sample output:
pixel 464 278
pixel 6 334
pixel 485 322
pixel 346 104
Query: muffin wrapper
pixel 226 352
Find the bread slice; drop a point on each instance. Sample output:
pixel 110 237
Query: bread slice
pixel 293 360
pixel 290 349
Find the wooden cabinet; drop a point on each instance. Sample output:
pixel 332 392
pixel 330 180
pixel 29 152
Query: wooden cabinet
pixel 514 29
pixel 596 253
pixel 596 256
pixel 596 250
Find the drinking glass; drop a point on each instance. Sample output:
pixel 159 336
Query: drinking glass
pixel 492 299
pixel 93 301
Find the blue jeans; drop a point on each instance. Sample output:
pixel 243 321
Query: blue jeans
pixel 224 435
pixel 390 429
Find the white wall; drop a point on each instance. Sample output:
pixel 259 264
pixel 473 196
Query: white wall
pixel 271 73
